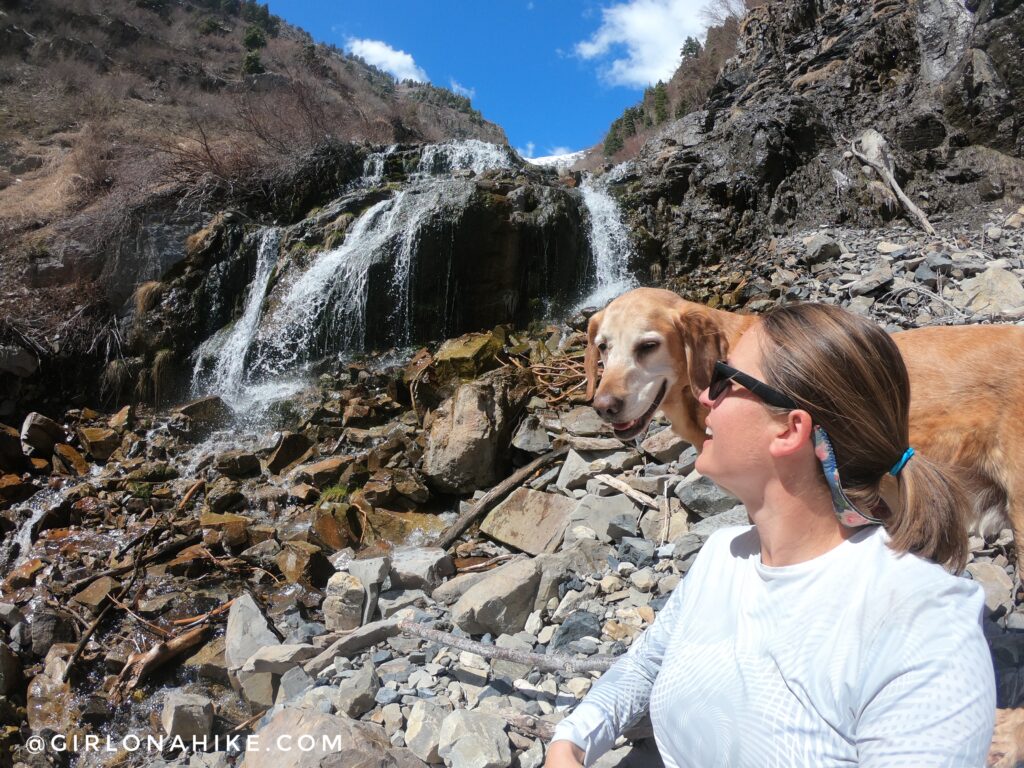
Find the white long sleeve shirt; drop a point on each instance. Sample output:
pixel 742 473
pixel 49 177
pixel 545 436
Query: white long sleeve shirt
pixel 857 657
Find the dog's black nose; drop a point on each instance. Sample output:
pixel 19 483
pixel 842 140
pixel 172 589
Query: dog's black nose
pixel 608 406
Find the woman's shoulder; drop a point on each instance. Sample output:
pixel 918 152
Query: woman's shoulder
pixel 904 576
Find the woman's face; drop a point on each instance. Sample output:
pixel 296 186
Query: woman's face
pixel 739 428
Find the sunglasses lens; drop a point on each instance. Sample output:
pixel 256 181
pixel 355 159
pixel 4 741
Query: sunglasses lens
pixel 719 381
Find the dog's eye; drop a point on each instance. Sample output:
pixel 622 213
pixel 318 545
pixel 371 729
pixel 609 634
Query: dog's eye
pixel 647 346
pixel 602 347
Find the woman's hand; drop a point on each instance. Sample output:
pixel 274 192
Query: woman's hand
pixel 564 754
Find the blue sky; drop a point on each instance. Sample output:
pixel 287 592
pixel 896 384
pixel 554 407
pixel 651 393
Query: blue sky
pixel 552 73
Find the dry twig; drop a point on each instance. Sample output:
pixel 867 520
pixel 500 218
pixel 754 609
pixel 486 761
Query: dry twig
pixel 547 662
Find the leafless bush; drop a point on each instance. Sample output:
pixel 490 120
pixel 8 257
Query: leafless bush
pixel 717 12
pixel 147 295
pixel 90 163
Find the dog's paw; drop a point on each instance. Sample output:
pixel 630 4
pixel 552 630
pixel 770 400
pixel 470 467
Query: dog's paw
pixel 1007 750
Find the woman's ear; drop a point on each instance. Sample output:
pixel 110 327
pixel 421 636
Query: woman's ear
pixel 792 433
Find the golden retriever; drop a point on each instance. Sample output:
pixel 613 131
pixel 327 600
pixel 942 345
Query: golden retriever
pixel 967 384
pixel 967 404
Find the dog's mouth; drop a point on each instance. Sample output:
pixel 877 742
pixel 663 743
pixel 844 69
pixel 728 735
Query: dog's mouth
pixel 627 430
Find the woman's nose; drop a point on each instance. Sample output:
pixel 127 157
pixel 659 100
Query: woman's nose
pixel 704 398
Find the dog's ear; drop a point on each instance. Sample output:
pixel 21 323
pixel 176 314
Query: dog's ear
pixel 703 343
pixel 591 357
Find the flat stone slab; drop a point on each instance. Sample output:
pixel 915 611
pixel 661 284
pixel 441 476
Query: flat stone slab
pixel 531 521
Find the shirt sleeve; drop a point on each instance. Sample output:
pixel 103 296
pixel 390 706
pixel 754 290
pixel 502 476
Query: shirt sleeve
pixel 928 697
pixel 623 694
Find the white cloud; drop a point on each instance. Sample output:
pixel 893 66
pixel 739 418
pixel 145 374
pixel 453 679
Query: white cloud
pixel 527 151
pixel 460 89
pixel 381 55
pixel 560 151
pixel 645 37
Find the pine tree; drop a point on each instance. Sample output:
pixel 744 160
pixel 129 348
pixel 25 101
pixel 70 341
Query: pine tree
pixel 660 103
pixel 691 49
pixel 253 38
pixel 613 141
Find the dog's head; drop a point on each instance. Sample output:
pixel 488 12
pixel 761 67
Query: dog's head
pixel 657 351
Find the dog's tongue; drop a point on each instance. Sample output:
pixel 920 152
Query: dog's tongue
pixel 623 426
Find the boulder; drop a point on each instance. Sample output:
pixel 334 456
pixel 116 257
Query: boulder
pixel 210 662
pixel 371 572
pixel 322 473
pixel 469 438
pixel 665 446
pixel 237 464
pixel 820 248
pixel 343 605
pixel 994 291
pixel 356 695
pixel 530 521
pixel 501 603
pixel 468 356
pixel 583 421
pixel 474 740
pixel 223 495
pixel 99 442
pixel 207 413
pixel 39 434
pixel 423 730
pixel 531 436
pixel 247 632
pixel 123 419
pixel 72 459
pixel 278 659
pixel 187 715
pixel 291 448
pixel 610 517
pixel 702 497
pixel 420 568
pixel 328 741
pixel 302 562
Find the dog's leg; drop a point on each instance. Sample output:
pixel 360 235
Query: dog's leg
pixel 1007 748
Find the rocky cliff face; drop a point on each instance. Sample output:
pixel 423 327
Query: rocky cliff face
pixel 770 152
pixel 421 247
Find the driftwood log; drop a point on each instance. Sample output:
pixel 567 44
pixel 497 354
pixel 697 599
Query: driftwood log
pixel 872 149
pixel 490 499
pixel 546 662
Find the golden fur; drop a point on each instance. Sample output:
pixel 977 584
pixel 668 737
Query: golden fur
pixel 967 385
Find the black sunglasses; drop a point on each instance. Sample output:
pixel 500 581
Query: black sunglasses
pixel 723 375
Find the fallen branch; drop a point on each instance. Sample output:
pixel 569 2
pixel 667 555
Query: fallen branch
pixel 141 664
pixel 206 616
pixel 171 548
pixel 493 496
pixel 546 662
pixel 630 491
pixel 199 484
pixel 874 152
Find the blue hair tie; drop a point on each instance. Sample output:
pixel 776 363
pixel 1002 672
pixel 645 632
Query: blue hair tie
pixel 898 466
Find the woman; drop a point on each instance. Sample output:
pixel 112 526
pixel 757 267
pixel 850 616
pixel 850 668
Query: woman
pixel 826 633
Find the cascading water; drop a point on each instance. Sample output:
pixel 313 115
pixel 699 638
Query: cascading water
pixel 469 154
pixel 319 308
pixel 229 347
pixel 609 244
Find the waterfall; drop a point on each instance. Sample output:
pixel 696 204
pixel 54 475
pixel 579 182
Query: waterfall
pixel 318 303
pixel 328 298
pixel 609 244
pixel 469 154
pixel 229 347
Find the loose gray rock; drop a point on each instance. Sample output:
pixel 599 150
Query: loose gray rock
pixel 423 731
pixel 474 740
pixel 343 606
pixel 420 568
pixel 247 632
pixel 501 603
pixel 576 626
pixel 357 694
pixel 187 715
pixel 703 497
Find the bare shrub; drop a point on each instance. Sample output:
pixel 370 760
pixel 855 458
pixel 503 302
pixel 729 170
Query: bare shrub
pixel 90 163
pixel 160 373
pixel 147 296
pixel 114 380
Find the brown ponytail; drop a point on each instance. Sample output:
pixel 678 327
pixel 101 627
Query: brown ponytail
pixel 849 375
